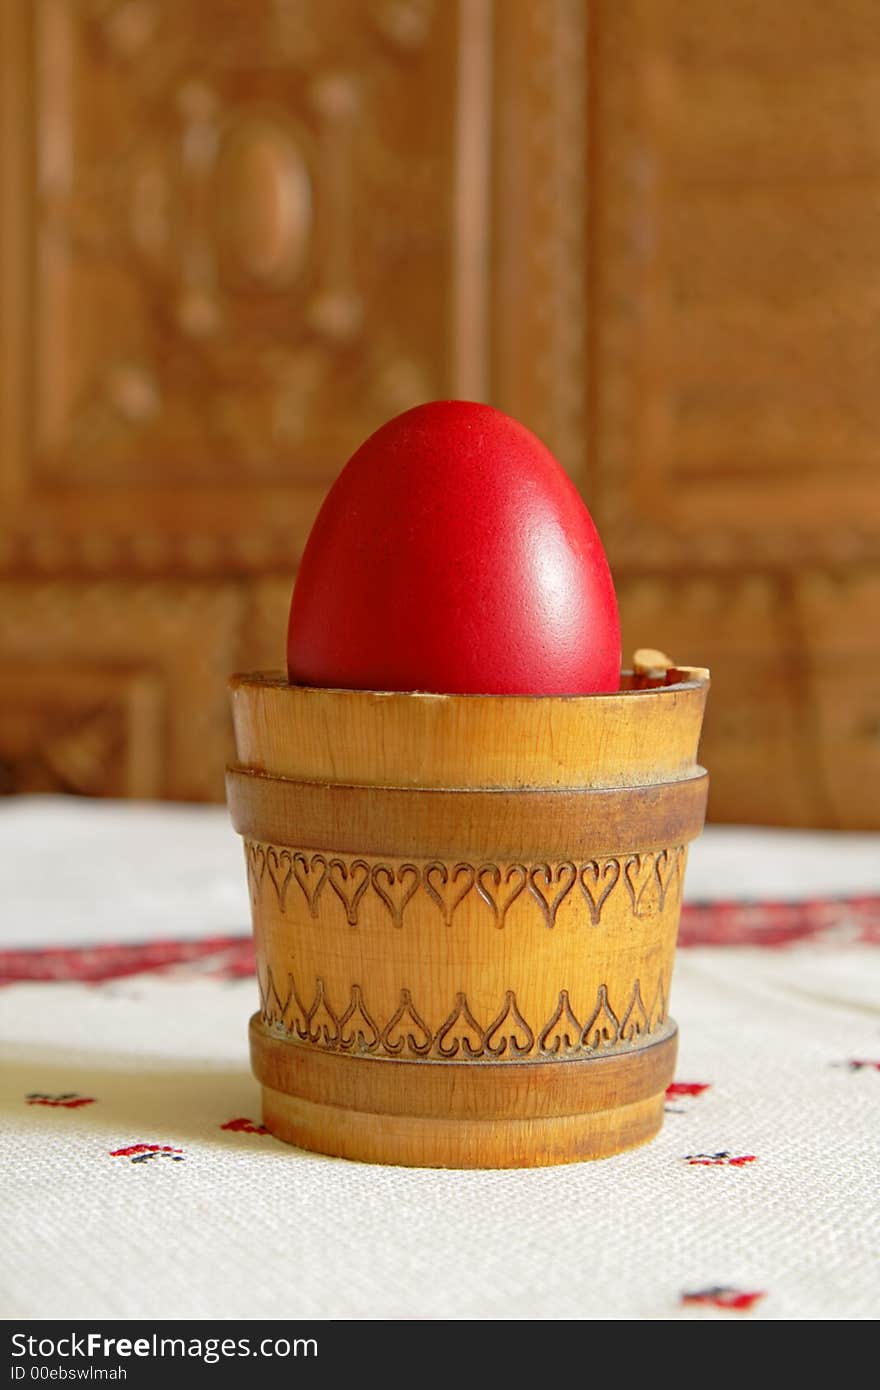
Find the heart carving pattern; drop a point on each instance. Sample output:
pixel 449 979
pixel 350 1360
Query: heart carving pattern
pixel 461 1030
pixel 357 1030
pixel 639 878
pixel 603 1026
pixel 401 884
pixel 311 875
pixel 255 861
pixel 667 868
pixel 509 1032
pixel 597 882
pixel 323 1025
pixel 562 1034
pixel 448 887
pixel 349 882
pixel 635 1020
pixel 405 1029
pixel 649 883
pixel 513 880
pixel 565 875
pixel 279 866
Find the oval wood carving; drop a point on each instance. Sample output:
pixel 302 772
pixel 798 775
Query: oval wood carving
pixel 263 196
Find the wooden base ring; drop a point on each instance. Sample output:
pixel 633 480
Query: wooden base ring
pixel 462 1115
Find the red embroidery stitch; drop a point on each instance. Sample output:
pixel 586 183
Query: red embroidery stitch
pixel 243 1126
pixel 857 1064
pixel 226 957
pixel 141 1153
pixel 724 1159
pixel 740 1300
pixel 69 1099
pixel 687 1088
pixel 780 923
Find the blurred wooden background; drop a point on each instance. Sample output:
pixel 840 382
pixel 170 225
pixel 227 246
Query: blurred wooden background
pixel 234 238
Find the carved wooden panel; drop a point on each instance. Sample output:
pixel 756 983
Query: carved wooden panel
pixel 842 673
pixel 117 688
pixel 733 441
pixel 736 172
pixel 84 728
pixel 237 237
pixel 235 254
pixel 235 240
pixel 540 81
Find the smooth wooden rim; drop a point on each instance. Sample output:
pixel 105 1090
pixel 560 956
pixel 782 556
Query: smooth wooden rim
pixel 461 1090
pixel 431 822
pixel 675 678
pixel 412 1141
pixel 411 739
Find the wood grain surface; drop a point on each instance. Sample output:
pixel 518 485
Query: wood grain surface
pixel 472 975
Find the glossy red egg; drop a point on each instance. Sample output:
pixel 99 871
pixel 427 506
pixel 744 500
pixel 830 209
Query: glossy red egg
pixel 454 554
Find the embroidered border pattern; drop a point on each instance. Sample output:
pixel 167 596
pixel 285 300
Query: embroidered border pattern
pixel 461 1036
pixel 646 880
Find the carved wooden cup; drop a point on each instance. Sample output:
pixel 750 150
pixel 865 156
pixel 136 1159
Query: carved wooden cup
pixel 465 911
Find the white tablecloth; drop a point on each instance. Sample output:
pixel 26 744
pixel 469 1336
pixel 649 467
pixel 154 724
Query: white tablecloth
pixel 137 1182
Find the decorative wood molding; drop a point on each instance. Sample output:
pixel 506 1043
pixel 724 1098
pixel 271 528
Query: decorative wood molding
pixel 726 356
pixel 115 688
pixel 199 243
pixel 88 729
pixel 539 221
pixel 262 308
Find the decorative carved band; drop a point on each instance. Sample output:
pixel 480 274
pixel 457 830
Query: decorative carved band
pixel 460 1037
pixel 646 881
pixel 440 823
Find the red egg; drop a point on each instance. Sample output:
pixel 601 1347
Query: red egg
pixel 454 554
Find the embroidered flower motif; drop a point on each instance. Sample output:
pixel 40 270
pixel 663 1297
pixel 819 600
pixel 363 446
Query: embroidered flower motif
pixel 244 1126
pixel 68 1099
pixel 143 1153
pixel 684 1090
pixel 739 1300
pixel 724 1159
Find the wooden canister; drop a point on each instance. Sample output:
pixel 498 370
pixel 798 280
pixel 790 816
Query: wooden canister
pixel 465 910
